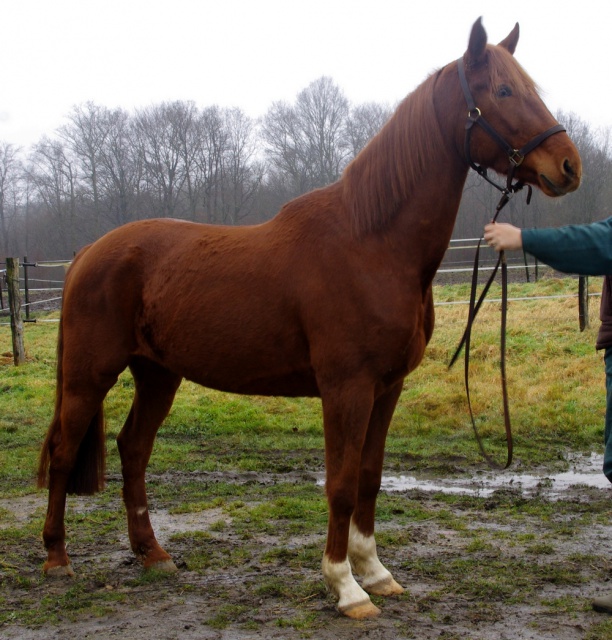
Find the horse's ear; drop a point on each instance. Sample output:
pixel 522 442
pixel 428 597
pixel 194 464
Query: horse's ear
pixel 477 45
pixel 511 40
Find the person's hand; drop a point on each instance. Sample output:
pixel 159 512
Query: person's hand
pixel 503 236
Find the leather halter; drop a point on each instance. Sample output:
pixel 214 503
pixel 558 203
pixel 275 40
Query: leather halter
pixel 515 158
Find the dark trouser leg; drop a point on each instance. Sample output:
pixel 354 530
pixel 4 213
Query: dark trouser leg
pixel 603 604
pixel 607 465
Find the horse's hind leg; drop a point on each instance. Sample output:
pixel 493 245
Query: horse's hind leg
pixel 376 579
pixel 76 460
pixel 155 391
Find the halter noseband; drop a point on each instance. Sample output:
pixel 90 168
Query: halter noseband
pixel 515 156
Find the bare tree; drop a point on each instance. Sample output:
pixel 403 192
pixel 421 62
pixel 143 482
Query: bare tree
pixel 54 175
pixel 307 143
pixel 285 149
pixel 365 121
pixel 225 173
pixel 323 113
pixel 121 167
pixel 161 132
pixel 85 136
pixel 242 175
pixel 10 174
pixel 212 140
pixel 588 203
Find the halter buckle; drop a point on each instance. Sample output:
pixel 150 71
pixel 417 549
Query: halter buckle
pixel 516 157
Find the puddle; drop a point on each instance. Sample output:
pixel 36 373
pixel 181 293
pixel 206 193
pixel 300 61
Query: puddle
pixel 584 471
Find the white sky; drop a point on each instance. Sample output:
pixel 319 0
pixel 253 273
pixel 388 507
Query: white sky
pixel 249 53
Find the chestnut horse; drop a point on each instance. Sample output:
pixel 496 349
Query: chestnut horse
pixel 331 298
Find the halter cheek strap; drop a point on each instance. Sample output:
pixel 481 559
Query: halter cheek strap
pixel 515 156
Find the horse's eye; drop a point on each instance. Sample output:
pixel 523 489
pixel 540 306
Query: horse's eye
pixel 504 91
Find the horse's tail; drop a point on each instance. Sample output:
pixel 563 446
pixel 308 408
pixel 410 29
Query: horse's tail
pixel 87 475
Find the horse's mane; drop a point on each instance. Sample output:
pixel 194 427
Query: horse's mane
pixel 382 176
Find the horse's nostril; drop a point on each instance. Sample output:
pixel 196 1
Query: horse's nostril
pixel 567 167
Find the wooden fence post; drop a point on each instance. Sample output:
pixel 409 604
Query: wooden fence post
pixel 26 286
pixel 527 279
pixel 12 282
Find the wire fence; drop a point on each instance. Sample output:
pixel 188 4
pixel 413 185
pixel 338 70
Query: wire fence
pixel 36 293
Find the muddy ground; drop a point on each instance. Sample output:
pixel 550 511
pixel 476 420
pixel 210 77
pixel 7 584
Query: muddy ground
pixel 268 584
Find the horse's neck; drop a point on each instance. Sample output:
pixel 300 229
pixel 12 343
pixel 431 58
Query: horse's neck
pixel 420 232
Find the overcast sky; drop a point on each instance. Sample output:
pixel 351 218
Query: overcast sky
pixel 250 53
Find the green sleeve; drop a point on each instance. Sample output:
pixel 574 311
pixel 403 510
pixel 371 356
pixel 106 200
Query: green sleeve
pixel 585 249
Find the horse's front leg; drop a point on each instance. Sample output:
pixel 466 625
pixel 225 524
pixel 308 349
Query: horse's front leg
pixel 376 579
pixel 346 415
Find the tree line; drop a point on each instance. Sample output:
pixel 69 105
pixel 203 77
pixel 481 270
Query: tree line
pixel 106 167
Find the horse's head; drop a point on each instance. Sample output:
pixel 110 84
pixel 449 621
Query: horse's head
pixel 513 116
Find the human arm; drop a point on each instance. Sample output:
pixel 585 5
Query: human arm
pixel 580 248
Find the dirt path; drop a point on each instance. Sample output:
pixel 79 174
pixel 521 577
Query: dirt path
pixel 513 562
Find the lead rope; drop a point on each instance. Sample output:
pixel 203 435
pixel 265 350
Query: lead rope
pixel 474 307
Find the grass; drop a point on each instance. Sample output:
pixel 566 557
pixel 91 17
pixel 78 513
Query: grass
pixel 496 552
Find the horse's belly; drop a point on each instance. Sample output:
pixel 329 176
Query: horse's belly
pixel 294 384
pixel 249 358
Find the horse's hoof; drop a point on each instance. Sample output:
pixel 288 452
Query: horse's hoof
pixel 360 611
pixel 164 566
pixel 387 587
pixel 59 571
